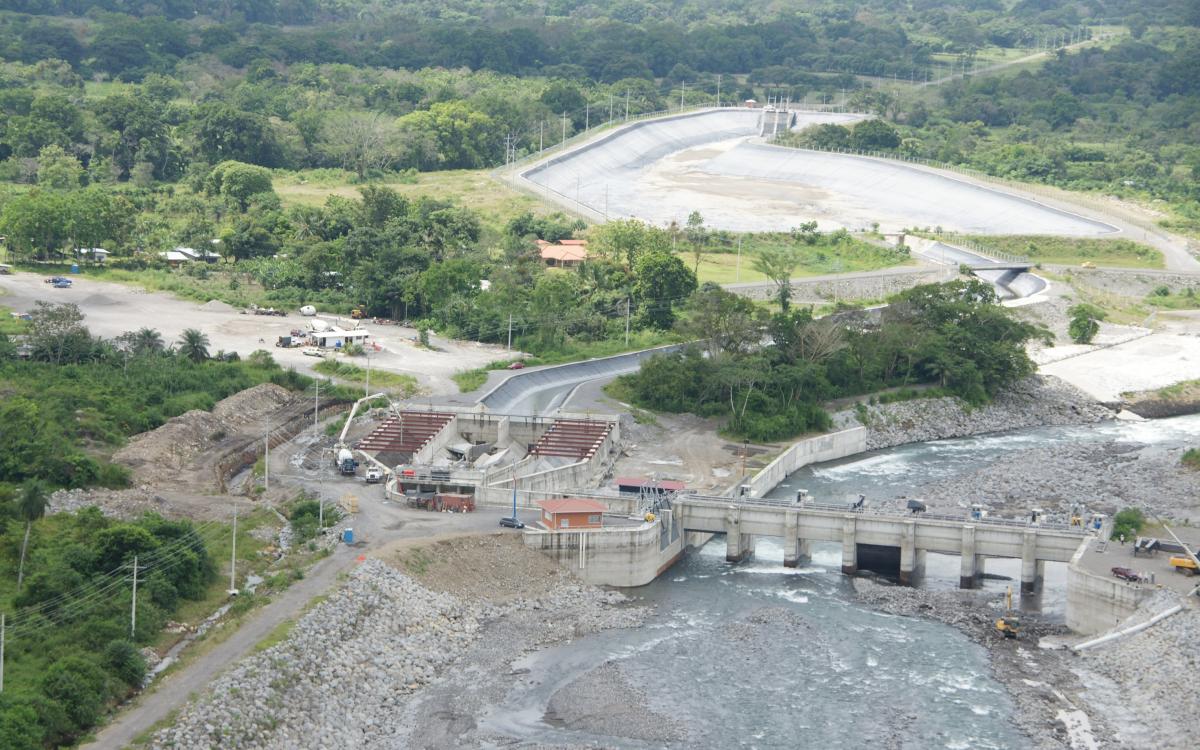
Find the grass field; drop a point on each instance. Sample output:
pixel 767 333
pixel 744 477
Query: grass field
pixel 853 254
pixel 475 189
pixel 1072 251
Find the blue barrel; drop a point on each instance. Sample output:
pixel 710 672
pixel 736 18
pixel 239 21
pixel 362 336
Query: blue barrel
pixel 348 536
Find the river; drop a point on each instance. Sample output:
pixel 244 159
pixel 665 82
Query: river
pixel 755 655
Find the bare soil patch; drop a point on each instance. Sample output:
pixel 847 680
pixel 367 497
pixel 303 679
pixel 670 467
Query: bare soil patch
pixel 494 567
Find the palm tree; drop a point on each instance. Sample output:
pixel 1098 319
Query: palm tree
pixel 148 341
pixel 31 505
pixel 194 345
pixel 777 264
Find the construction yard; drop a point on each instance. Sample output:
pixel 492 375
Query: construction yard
pixel 112 309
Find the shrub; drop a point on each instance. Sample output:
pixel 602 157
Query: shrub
pixel 1191 458
pixel 1084 326
pixel 1128 523
pixel 126 662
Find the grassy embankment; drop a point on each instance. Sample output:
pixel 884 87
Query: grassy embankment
pixel 1072 251
pixel 404 386
pixel 496 202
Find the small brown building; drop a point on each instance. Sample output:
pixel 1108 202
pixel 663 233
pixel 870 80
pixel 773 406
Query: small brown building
pixel 564 254
pixel 572 513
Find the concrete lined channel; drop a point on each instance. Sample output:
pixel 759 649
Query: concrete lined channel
pixel 661 170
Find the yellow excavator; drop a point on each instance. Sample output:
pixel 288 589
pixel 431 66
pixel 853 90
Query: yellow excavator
pixel 1008 625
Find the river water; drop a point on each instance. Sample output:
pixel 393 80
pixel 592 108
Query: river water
pixel 755 655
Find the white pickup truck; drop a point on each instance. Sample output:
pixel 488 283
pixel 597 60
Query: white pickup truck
pixel 374 475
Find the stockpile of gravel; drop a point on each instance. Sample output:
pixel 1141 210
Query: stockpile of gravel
pixel 344 668
pixel 1149 680
pixel 1035 401
pixel 350 668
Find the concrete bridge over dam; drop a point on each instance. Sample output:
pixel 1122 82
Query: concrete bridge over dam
pixel 625 555
pixel 902 537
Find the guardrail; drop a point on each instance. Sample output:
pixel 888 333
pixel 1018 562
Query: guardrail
pixel 878 512
pixel 955 239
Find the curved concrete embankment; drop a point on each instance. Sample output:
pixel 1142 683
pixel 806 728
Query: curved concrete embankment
pixel 843 188
pixel 604 178
pixel 539 391
pixel 661 170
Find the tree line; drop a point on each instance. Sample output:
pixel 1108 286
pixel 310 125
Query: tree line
pixel 954 337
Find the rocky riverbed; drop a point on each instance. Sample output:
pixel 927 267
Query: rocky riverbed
pixel 350 670
pixel 1134 692
pixel 1103 476
pixel 1033 402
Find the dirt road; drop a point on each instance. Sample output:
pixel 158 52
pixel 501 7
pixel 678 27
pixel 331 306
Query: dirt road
pixel 382 525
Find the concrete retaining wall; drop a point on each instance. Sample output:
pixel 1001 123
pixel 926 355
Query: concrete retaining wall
pixel 1096 603
pixel 829 447
pixel 610 557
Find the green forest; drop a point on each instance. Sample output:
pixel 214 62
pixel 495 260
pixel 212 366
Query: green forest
pixel 954 337
pixel 339 153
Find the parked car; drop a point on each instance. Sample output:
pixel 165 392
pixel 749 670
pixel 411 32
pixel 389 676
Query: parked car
pixel 62 284
pixel 516 366
pixel 511 523
pixel 1126 574
pixel 54 279
pixel 312 351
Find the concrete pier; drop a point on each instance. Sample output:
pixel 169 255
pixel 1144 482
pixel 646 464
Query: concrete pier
pixel 849 548
pixel 795 549
pixel 908 553
pixel 738 546
pixel 969 572
pixel 1032 569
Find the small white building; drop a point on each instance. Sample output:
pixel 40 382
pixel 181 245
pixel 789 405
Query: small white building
pixel 94 254
pixel 337 338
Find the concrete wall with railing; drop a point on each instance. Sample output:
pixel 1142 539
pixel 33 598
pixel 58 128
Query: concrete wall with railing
pixel 1098 602
pixel 621 556
pixel 812 450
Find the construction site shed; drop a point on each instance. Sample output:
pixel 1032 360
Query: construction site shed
pixel 572 513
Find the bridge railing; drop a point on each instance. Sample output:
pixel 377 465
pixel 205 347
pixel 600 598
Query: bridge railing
pixel 879 512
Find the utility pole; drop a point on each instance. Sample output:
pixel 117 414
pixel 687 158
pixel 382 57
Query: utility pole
pixel 541 135
pixel 233 556
pixel 2 629
pixel 316 403
pixel 626 105
pixel 564 129
pixel 738 274
pixel 133 607
pixel 587 115
pixel 718 90
pixel 627 321
pixel 509 348
pixel 610 103
pixel 682 88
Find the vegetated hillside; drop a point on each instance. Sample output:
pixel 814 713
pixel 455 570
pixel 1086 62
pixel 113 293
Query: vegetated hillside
pixel 954 336
pixel 1121 119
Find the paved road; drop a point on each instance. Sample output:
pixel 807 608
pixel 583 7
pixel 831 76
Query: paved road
pixel 380 523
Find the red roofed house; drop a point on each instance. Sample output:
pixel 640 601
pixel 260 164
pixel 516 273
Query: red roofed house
pixel 564 253
pixel 572 513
